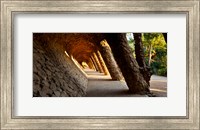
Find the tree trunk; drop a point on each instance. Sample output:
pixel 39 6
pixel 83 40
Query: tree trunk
pixel 110 62
pixel 128 65
pixel 165 36
pixel 149 61
pixel 139 50
pixel 144 69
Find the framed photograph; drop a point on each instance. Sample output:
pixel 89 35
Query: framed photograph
pixel 100 64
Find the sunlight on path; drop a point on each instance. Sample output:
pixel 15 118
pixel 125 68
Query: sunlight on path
pixel 158 85
pixel 100 85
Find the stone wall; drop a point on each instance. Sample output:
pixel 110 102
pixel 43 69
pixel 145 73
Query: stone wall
pixel 54 73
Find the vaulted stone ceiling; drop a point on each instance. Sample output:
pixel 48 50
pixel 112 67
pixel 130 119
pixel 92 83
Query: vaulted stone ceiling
pixel 78 45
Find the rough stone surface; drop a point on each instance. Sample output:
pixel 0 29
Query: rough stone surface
pixel 127 64
pixel 105 70
pixel 54 73
pixel 144 69
pixel 98 62
pixel 95 64
pixel 110 61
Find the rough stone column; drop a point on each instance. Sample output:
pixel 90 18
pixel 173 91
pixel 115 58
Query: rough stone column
pixel 128 65
pixel 94 62
pixel 98 63
pixel 102 63
pixel 110 62
pixel 91 65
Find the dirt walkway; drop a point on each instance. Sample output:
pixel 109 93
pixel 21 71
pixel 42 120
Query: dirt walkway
pixel 100 85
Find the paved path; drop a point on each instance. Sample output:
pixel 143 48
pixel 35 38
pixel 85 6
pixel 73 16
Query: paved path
pixel 100 85
pixel 158 85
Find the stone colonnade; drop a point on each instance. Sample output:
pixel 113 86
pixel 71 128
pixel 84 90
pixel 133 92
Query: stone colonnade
pixel 103 61
pixel 110 56
pixel 117 60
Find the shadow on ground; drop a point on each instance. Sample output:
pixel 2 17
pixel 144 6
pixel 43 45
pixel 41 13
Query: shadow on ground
pixel 100 85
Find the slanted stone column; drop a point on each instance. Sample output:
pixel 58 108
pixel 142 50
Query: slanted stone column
pixel 102 63
pixel 95 64
pixel 98 63
pixel 112 66
pixel 127 63
pixel 89 65
pixel 92 65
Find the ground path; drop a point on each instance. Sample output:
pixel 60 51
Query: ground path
pixel 100 85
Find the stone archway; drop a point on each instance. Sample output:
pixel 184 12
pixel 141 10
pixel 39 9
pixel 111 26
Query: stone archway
pixel 57 59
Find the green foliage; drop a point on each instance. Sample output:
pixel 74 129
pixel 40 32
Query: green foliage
pixel 158 52
pixel 159 64
pixel 131 42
